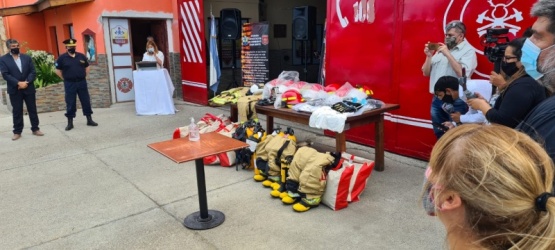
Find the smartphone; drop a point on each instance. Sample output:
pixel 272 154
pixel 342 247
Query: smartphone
pixel 441 126
pixel 433 46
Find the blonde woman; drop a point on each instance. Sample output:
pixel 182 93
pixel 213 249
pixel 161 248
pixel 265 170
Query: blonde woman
pixel 152 54
pixel 491 188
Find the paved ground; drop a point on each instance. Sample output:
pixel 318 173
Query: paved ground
pixel 103 188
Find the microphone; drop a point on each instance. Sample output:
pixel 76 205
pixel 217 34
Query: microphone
pixel 462 82
pixel 448 108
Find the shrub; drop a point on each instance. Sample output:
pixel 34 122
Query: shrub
pixel 44 66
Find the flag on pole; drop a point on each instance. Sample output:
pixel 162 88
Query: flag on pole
pixel 215 71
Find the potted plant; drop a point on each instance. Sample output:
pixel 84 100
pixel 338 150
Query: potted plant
pixel 44 66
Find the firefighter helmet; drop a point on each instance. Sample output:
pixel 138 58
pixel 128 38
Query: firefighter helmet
pixel 291 97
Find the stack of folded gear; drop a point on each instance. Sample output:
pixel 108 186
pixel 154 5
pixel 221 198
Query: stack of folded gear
pixel 306 180
pixel 271 153
pixel 228 96
pixel 252 133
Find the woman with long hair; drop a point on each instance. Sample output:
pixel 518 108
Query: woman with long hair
pixel 491 187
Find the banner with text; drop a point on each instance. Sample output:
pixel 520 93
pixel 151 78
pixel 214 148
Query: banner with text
pixel 254 54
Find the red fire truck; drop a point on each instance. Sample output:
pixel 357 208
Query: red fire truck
pixel 378 44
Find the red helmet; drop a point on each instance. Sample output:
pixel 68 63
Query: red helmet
pixel 331 87
pixel 292 97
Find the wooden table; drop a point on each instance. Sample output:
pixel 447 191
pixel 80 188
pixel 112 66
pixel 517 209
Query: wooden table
pixel 368 117
pixel 182 150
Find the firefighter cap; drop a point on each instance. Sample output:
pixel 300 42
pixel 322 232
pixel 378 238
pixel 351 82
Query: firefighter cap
pixel 70 42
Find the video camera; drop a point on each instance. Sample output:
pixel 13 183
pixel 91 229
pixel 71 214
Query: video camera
pixel 495 44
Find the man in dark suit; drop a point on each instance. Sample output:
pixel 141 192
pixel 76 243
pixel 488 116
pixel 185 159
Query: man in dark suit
pixel 18 70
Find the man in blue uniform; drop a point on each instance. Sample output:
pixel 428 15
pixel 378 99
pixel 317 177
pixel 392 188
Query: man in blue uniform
pixel 73 68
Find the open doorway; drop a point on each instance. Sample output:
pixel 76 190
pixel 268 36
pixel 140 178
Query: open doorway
pixel 143 28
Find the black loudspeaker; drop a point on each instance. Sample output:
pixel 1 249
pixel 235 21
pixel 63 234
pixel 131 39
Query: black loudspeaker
pixel 304 23
pixel 230 24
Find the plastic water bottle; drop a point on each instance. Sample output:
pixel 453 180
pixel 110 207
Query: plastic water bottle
pixel 194 134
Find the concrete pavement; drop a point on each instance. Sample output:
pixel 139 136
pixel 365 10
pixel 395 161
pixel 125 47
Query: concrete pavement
pixel 103 188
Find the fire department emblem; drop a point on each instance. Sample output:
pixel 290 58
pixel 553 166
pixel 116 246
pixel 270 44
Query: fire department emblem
pixel 125 85
pixel 481 15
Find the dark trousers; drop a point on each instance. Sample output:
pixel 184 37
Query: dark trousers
pixel 17 100
pixel 74 89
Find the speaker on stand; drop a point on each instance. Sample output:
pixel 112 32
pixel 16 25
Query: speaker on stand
pixel 230 29
pixel 304 30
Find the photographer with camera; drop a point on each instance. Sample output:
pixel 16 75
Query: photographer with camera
pixel 497 40
pixel 520 95
pixel 447 59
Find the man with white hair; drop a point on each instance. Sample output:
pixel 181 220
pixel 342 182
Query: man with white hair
pixel 539 51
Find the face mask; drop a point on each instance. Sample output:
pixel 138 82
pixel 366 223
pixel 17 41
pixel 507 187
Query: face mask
pixel 447 99
pixel 71 51
pixel 151 50
pixel 451 42
pixel 509 68
pixel 428 198
pixel 14 51
pixel 530 54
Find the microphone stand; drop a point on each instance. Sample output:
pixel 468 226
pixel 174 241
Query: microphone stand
pixel 233 65
pixel 305 59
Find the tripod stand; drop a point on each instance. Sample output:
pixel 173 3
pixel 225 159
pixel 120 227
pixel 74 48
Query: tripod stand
pixel 497 68
pixel 305 59
pixel 233 83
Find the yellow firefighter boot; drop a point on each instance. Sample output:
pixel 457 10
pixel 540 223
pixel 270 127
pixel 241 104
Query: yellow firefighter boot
pixel 257 176
pixel 275 185
pixel 306 204
pixel 275 193
pixel 267 183
pixel 298 207
pixel 270 181
pixel 290 198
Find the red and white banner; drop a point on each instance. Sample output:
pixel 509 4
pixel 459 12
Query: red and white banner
pixel 193 51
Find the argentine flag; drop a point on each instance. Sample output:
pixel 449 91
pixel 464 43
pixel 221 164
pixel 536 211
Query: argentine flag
pixel 215 71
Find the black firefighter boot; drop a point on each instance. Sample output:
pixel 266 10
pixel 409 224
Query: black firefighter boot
pixel 69 123
pixel 90 122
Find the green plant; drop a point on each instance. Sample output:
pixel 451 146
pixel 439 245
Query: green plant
pixel 44 66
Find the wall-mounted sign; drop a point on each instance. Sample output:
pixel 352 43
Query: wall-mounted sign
pixel 120 35
pixel 254 55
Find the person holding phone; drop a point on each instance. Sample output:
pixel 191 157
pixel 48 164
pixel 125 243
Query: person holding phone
pixel 152 54
pixel 447 59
